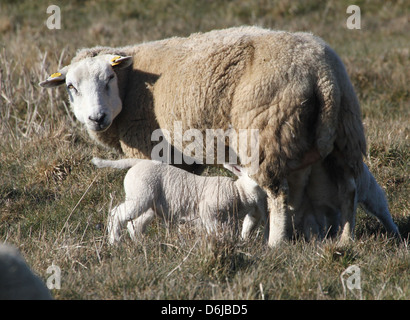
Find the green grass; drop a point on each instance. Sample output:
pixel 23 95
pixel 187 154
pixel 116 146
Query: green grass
pixel 54 204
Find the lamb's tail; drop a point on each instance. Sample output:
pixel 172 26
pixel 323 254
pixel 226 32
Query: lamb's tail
pixel 117 164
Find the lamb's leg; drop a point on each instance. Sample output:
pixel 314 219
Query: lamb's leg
pixel 209 223
pixel 124 213
pixel 250 222
pixel 136 228
pixel 117 218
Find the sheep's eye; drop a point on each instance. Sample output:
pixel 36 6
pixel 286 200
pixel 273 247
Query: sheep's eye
pixel 71 87
pixel 108 82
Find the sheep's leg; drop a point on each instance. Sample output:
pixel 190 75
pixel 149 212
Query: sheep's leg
pixel 332 222
pixel 278 214
pixel 210 224
pixel 281 203
pixel 310 226
pixel 114 222
pixel 130 209
pixel 136 228
pixel 299 203
pixel 250 222
pixel 348 211
pixel 114 231
pixel 122 213
pixel 313 220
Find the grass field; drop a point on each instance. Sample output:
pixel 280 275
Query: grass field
pixel 54 204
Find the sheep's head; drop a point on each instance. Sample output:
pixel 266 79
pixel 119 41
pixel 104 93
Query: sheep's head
pixel 92 88
pixel 249 185
pixel 242 173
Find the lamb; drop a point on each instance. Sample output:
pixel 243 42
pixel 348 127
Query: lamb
pixel 156 189
pixel 319 213
pixel 17 281
pixel 292 87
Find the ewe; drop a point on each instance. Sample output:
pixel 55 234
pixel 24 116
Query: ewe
pixel 292 87
pixel 154 188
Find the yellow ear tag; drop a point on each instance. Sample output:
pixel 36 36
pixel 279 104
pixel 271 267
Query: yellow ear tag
pixel 55 75
pixel 114 61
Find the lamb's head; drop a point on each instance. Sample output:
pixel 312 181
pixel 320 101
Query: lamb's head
pixel 249 186
pixel 92 88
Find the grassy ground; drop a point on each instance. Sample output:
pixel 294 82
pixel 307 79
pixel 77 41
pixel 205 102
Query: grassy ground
pixel 53 204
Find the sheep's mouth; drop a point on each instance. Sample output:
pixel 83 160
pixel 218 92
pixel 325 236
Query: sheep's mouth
pixel 98 127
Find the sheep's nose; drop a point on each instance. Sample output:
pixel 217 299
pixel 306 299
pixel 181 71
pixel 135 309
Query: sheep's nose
pixel 98 119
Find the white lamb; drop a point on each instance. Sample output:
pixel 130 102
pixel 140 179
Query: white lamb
pixel 155 188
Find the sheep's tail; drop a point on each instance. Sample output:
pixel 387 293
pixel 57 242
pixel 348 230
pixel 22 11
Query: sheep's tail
pixel 373 200
pixel 116 164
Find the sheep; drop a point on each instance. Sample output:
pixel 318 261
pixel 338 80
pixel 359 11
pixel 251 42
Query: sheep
pixel 17 281
pixel 319 212
pixel 154 189
pixel 292 87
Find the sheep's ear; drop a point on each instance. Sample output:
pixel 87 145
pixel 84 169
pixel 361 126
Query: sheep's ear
pixel 235 169
pixel 119 62
pixel 56 79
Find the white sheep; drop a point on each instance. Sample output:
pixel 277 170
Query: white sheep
pixel 319 212
pixel 154 188
pixel 17 281
pixel 292 87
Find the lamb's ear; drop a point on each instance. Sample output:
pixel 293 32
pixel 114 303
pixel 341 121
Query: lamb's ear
pixel 119 62
pixel 235 169
pixel 56 79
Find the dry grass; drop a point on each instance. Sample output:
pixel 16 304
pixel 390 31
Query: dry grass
pixel 53 204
